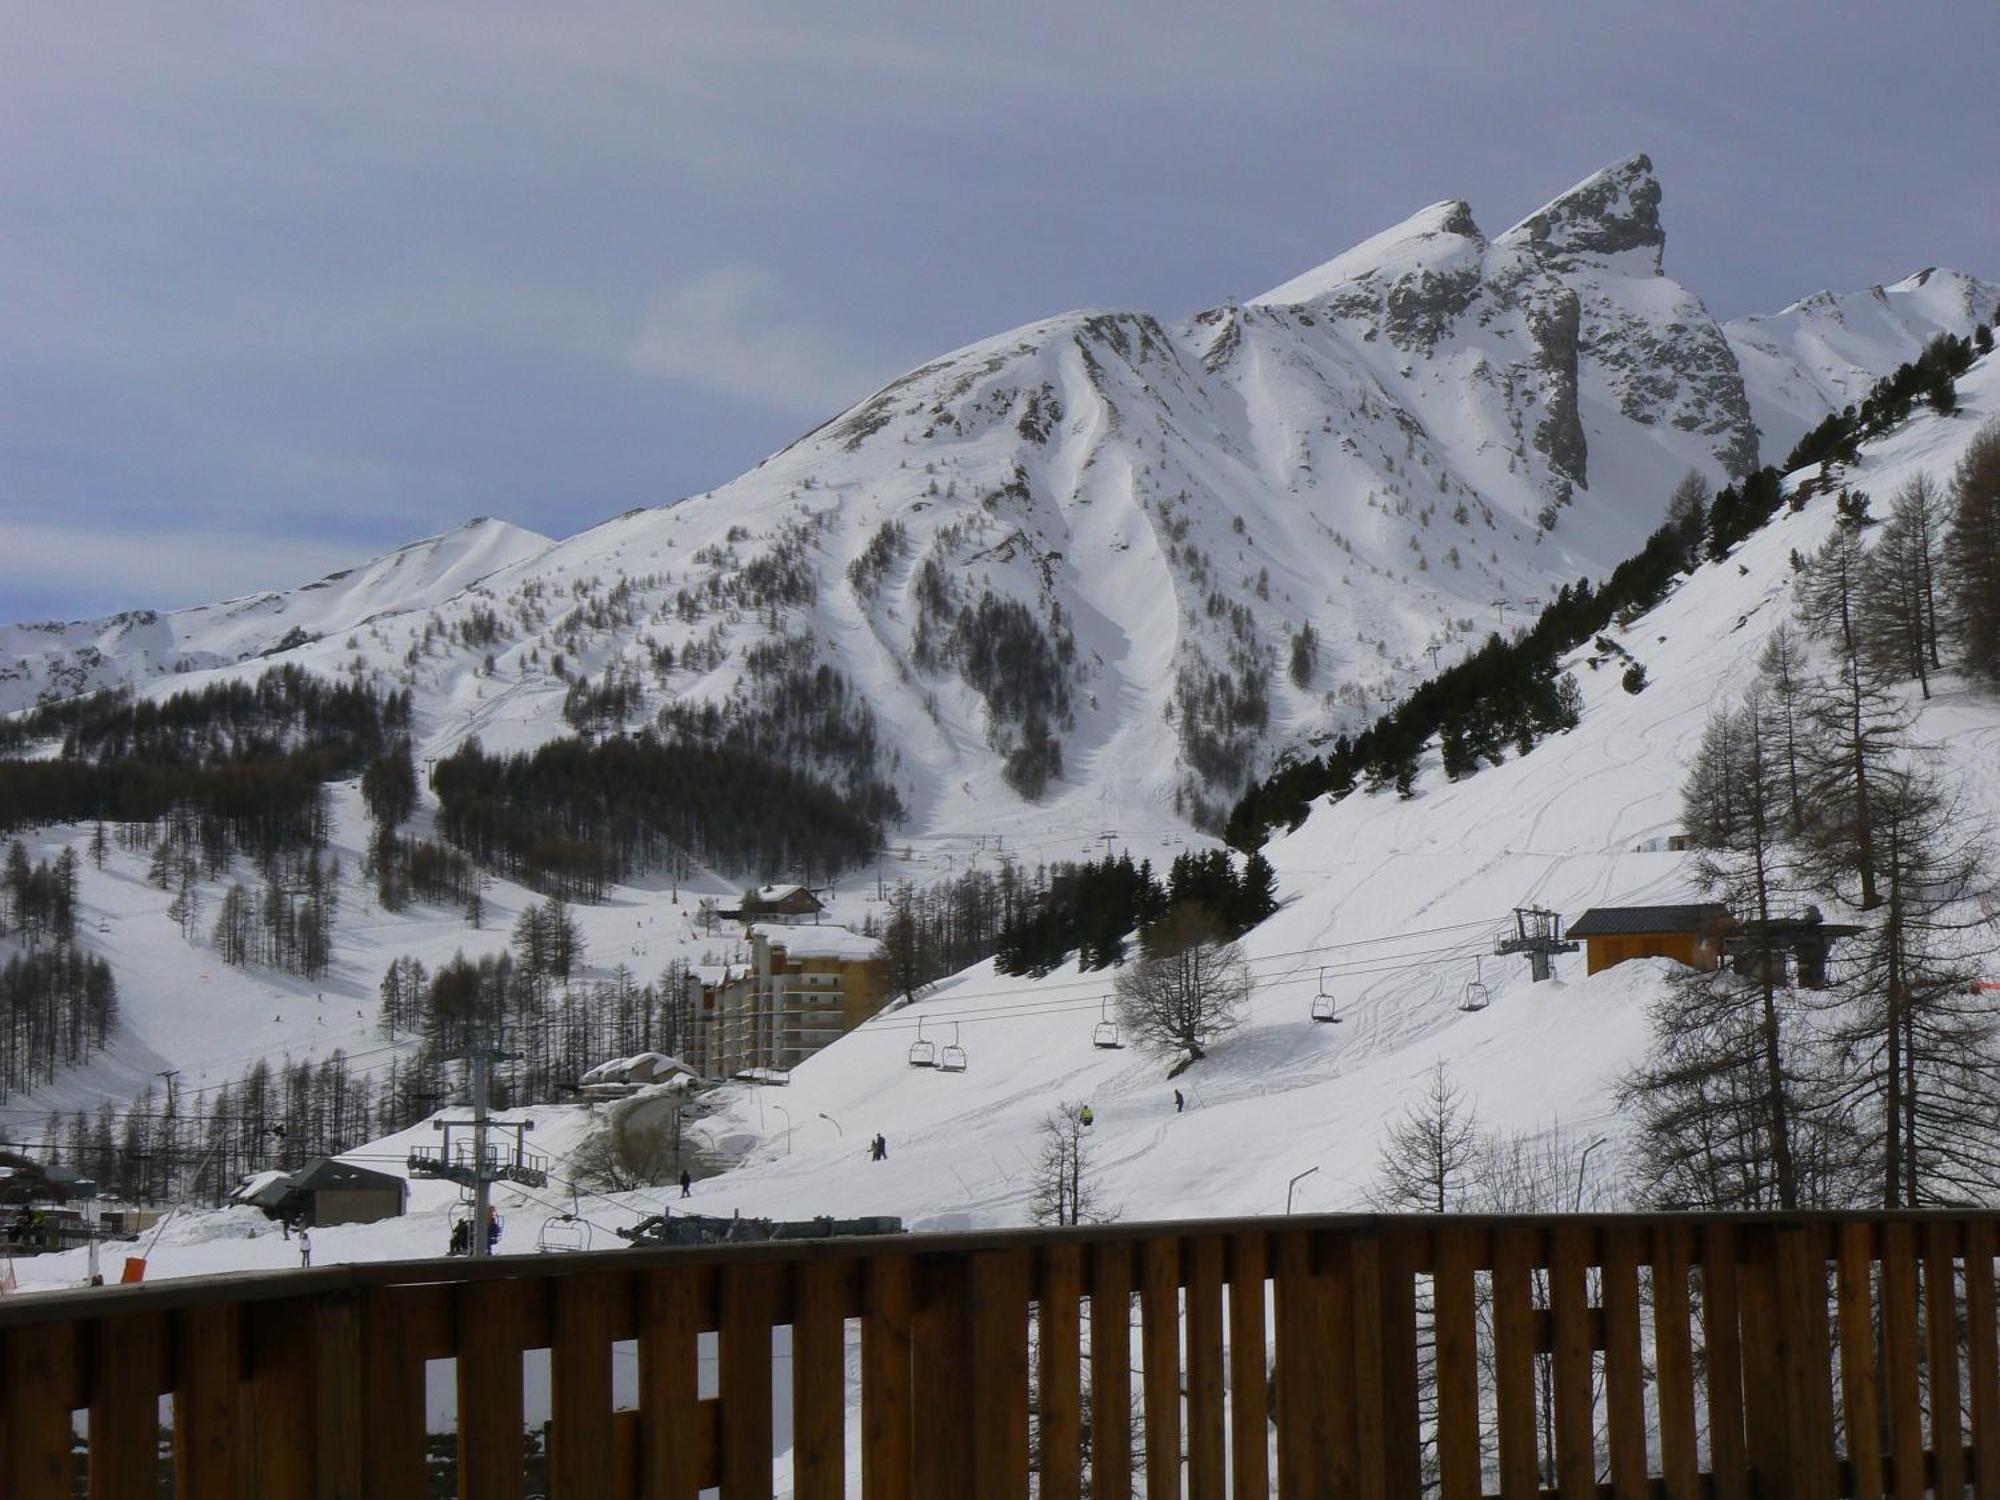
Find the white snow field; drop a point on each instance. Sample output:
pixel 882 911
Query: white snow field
pixel 1399 903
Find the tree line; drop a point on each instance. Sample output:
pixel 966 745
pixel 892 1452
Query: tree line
pixel 58 1002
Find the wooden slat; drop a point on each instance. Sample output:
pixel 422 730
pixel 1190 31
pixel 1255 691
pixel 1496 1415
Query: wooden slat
pixel 1569 1303
pixel 1982 1356
pixel 1335 1399
pixel 1368 1384
pixel 819 1380
pixel 129 1362
pixel 1111 1370
pixel 672 1307
pixel 1207 1447
pixel 1764 1407
pixel 1722 1346
pixel 39 1367
pixel 1160 1350
pixel 1901 1393
pixel 1454 1296
pixel 1673 1362
pixel 1941 1345
pixel 1402 1422
pixel 1624 1365
pixel 748 1303
pixel 1514 1256
pixel 887 1425
pixel 208 1373
pixel 1806 1363
pixel 580 1372
pixel 281 1373
pixel 999 1358
pixel 392 1392
pixel 940 1335
pixel 488 1315
pixel 339 1369
pixel 1059 1331
pixel 1249 1394
pixel 1860 1391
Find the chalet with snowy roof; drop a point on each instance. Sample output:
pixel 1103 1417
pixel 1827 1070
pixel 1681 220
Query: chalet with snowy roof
pixel 781 903
pixel 623 1076
pixel 327 1191
pixel 1691 934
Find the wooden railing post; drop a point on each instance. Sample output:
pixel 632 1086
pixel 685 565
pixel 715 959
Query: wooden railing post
pixel 1059 1329
pixel 39 1367
pixel 1787 1363
pixel 1249 1391
pixel 941 1335
pixel 208 1400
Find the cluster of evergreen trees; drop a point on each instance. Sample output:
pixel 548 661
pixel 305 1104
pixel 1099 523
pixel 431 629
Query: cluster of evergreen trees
pixel 570 817
pixel 1509 692
pixel 57 1001
pixel 288 925
pixel 1089 908
pixel 1930 377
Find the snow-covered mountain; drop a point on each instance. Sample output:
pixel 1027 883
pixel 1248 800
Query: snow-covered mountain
pixel 1097 571
pixel 54 658
pixel 1822 354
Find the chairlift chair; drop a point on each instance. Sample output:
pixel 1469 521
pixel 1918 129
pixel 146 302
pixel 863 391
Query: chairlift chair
pixel 1476 995
pixel 923 1054
pixel 952 1059
pixel 1105 1033
pixel 1323 1006
pixel 563 1234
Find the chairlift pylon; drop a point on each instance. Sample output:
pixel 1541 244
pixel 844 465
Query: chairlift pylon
pixel 1324 1007
pixel 1105 1033
pixel 952 1059
pixel 923 1054
pixel 1476 996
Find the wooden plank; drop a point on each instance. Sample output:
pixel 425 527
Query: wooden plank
pixel 1860 1391
pixel 1454 1296
pixel 208 1390
pixel 1249 1393
pixel 1335 1399
pixel 887 1441
pixel 1673 1361
pixel 940 1336
pixel 1569 1304
pixel 1402 1423
pixel 1207 1446
pixel 1764 1406
pixel 1901 1394
pixel 1722 1346
pixel 1941 1343
pixel 1624 1365
pixel 1368 1381
pixel 1806 1363
pixel 580 1375
pixel 672 1307
pixel 999 1358
pixel 339 1369
pixel 1059 1331
pixel 1515 1251
pixel 1110 1370
pixel 281 1395
pixel 819 1380
pixel 1982 1356
pixel 39 1366
pixel 748 1301
pixel 490 1439
pixel 392 1395
pixel 1160 1349
pixel 129 1370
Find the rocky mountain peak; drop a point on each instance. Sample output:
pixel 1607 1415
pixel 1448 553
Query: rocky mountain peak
pixel 1608 213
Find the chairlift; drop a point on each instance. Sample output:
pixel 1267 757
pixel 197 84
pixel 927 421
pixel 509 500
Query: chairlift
pixel 952 1060
pixel 1323 1007
pixel 563 1234
pixel 923 1054
pixel 1476 995
pixel 1105 1033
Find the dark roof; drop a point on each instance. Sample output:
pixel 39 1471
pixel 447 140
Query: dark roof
pixel 1609 921
pixel 326 1174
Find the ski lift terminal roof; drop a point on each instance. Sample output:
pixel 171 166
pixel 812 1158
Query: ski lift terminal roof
pixel 1607 921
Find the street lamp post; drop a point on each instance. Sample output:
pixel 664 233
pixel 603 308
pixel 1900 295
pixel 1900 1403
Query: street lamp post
pixel 1582 1162
pixel 832 1121
pixel 1294 1183
pixel 788 1126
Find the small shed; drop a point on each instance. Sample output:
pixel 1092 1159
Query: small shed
pixel 1691 934
pixel 781 903
pixel 331 1191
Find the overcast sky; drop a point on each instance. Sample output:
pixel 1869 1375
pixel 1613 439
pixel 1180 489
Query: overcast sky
pixel 284 284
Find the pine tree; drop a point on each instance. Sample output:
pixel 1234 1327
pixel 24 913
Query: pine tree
pixel 1972 555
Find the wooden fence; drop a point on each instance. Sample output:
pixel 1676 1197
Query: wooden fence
pixel 1635 1357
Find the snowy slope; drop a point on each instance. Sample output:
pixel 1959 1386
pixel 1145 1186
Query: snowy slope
pixel 56 658
pixel 1824 352
pixel 1392 905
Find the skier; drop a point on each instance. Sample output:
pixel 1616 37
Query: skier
pixel 461 1237
pixel 1087 1117
pixel 1180 1103
pixel 687 1184
pixel 305 1247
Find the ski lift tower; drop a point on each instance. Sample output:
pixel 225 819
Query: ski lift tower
pixel 475 1164
pixel 1538 933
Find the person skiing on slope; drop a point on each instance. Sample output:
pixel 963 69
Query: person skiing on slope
pixel 1180 1103
pixel 687 1184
